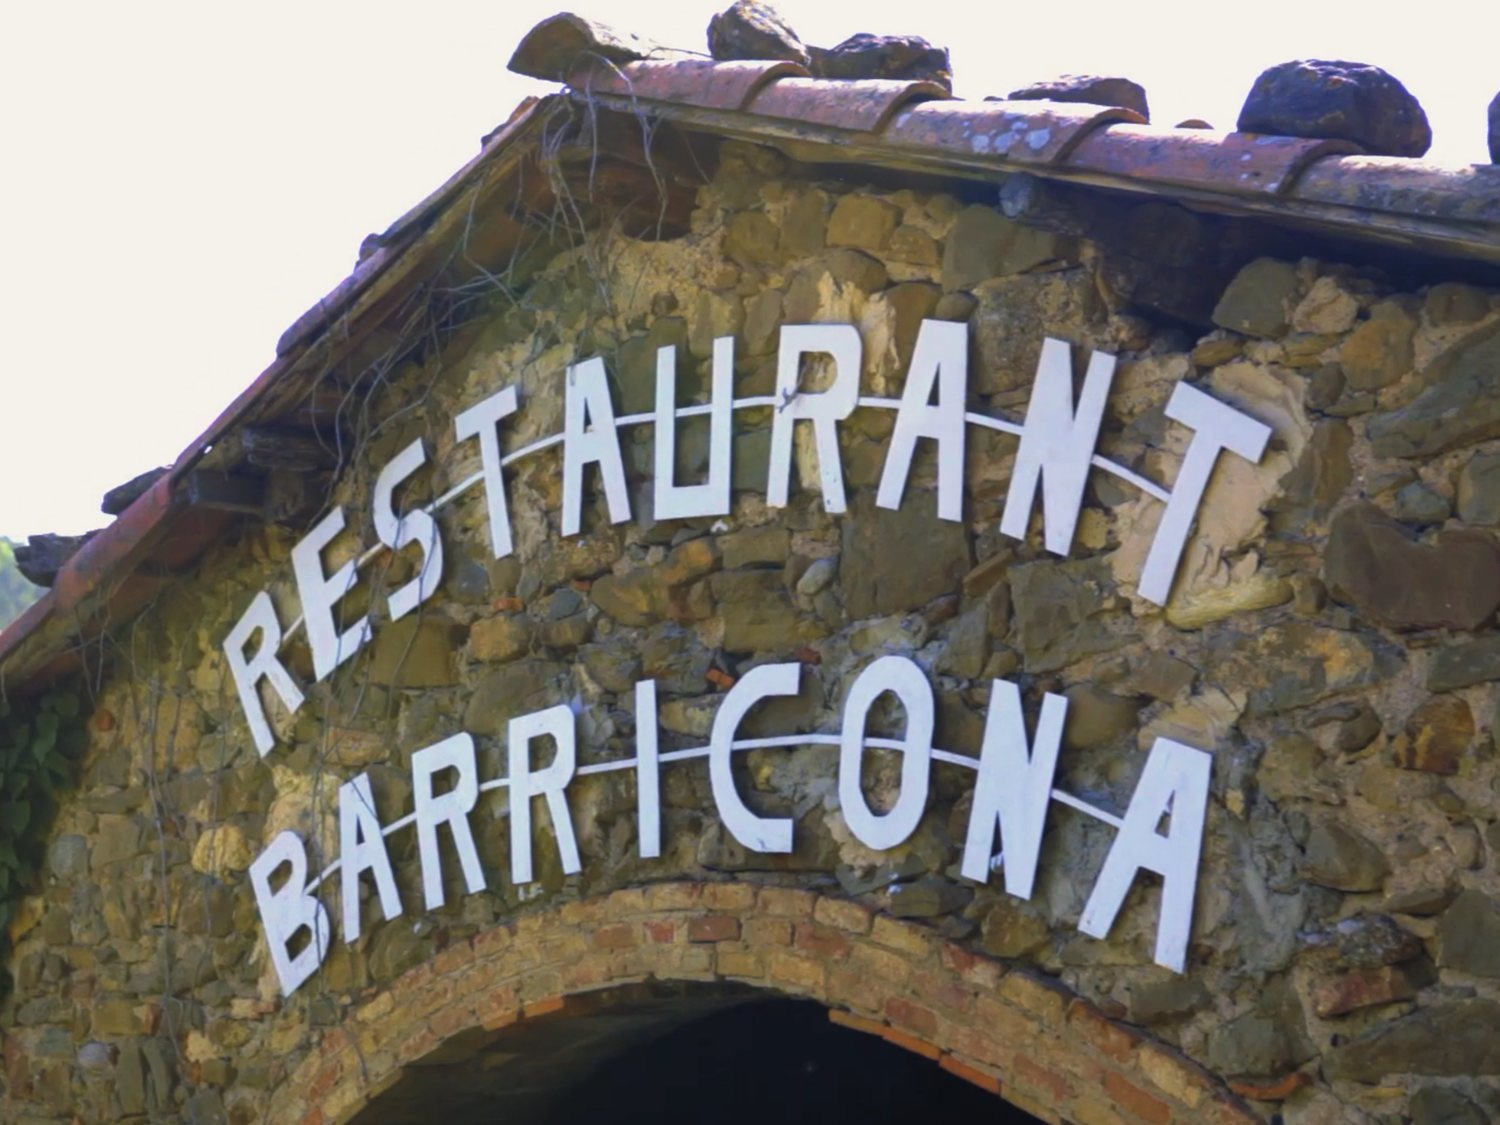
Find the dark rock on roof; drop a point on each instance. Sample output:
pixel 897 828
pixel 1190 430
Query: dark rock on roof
pixel 1495 130
pixel 884 56
pixel 117 499
pixel 42 556
pixel 1329 98
pixel 749 29
pixel 554 48
pixel 1089 89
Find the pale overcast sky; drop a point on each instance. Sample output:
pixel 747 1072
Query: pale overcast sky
pixel 182 180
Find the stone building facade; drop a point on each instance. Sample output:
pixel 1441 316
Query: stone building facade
pixel 1329 644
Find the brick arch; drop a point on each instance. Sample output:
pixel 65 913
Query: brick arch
pixel 1024 1038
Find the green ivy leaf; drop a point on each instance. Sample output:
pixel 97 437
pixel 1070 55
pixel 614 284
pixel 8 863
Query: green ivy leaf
pixel 8 858
pixel 45 739
pixel 64 703
pixel 17 816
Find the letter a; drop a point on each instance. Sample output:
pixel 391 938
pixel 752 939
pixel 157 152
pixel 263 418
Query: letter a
pixel 1174 781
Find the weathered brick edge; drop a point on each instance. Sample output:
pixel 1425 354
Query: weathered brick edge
pixel 1028 1040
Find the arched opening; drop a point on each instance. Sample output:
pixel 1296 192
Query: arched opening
pixel 500 1026
pixel 679 1055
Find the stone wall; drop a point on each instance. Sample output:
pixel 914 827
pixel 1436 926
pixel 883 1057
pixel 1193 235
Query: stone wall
pixel 1330 641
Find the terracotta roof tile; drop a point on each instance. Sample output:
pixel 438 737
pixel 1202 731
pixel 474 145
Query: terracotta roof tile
pixel 865 106
pixel 1323 183
pixel 1025 133
pixel 1204 160
pixel 713 85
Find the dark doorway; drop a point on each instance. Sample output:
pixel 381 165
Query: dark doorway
pixel 773 1062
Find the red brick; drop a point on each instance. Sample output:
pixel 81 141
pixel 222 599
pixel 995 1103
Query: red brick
pixel 1039 997
pixel 732 962
pixel 619 936
pixel 981 972
pixel 786 901
pixel 843 915
pixel 767 931
pixel 498 1008
pixel 801 973
pixel 714 927
pixel 1110 1038
pixel 1129 1096
pixel 452 958
pixel 940 989
pixel 323 1081
pixel 661 932
pixel 1004 1021
pixel 539 986
pixel 632 900
pixel 673 896
pixel 854 989
pixel 887 969
pixel 451 1021
pixel 820 941
pixel 1043 1079
pixel 903 937
pixel 728 896
pixel 416 1045
pixel 976 1044
pixel 911 1017
pixel 586 972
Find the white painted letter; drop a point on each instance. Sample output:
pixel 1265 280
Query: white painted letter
pixel 285 913
pixel 761 834
pixel 361 849
pixel 453 807
pixel 941 359
pixel 825 409
pixel 647 770
pixel 1218 427
pixel 1057 445
pixel 589 434
pixel 551 783
pixel 416 526
pixel 1175 781
pixel 265 663
pixel 483 419
pixel 320 593
pixel 902 677
pixel 711 498
pixel 1013 788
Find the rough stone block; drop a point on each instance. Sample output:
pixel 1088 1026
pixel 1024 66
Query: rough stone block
pixel 414 652
pixel 1340 100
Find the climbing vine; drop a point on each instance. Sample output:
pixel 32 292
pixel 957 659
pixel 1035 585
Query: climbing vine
pixel 41 741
